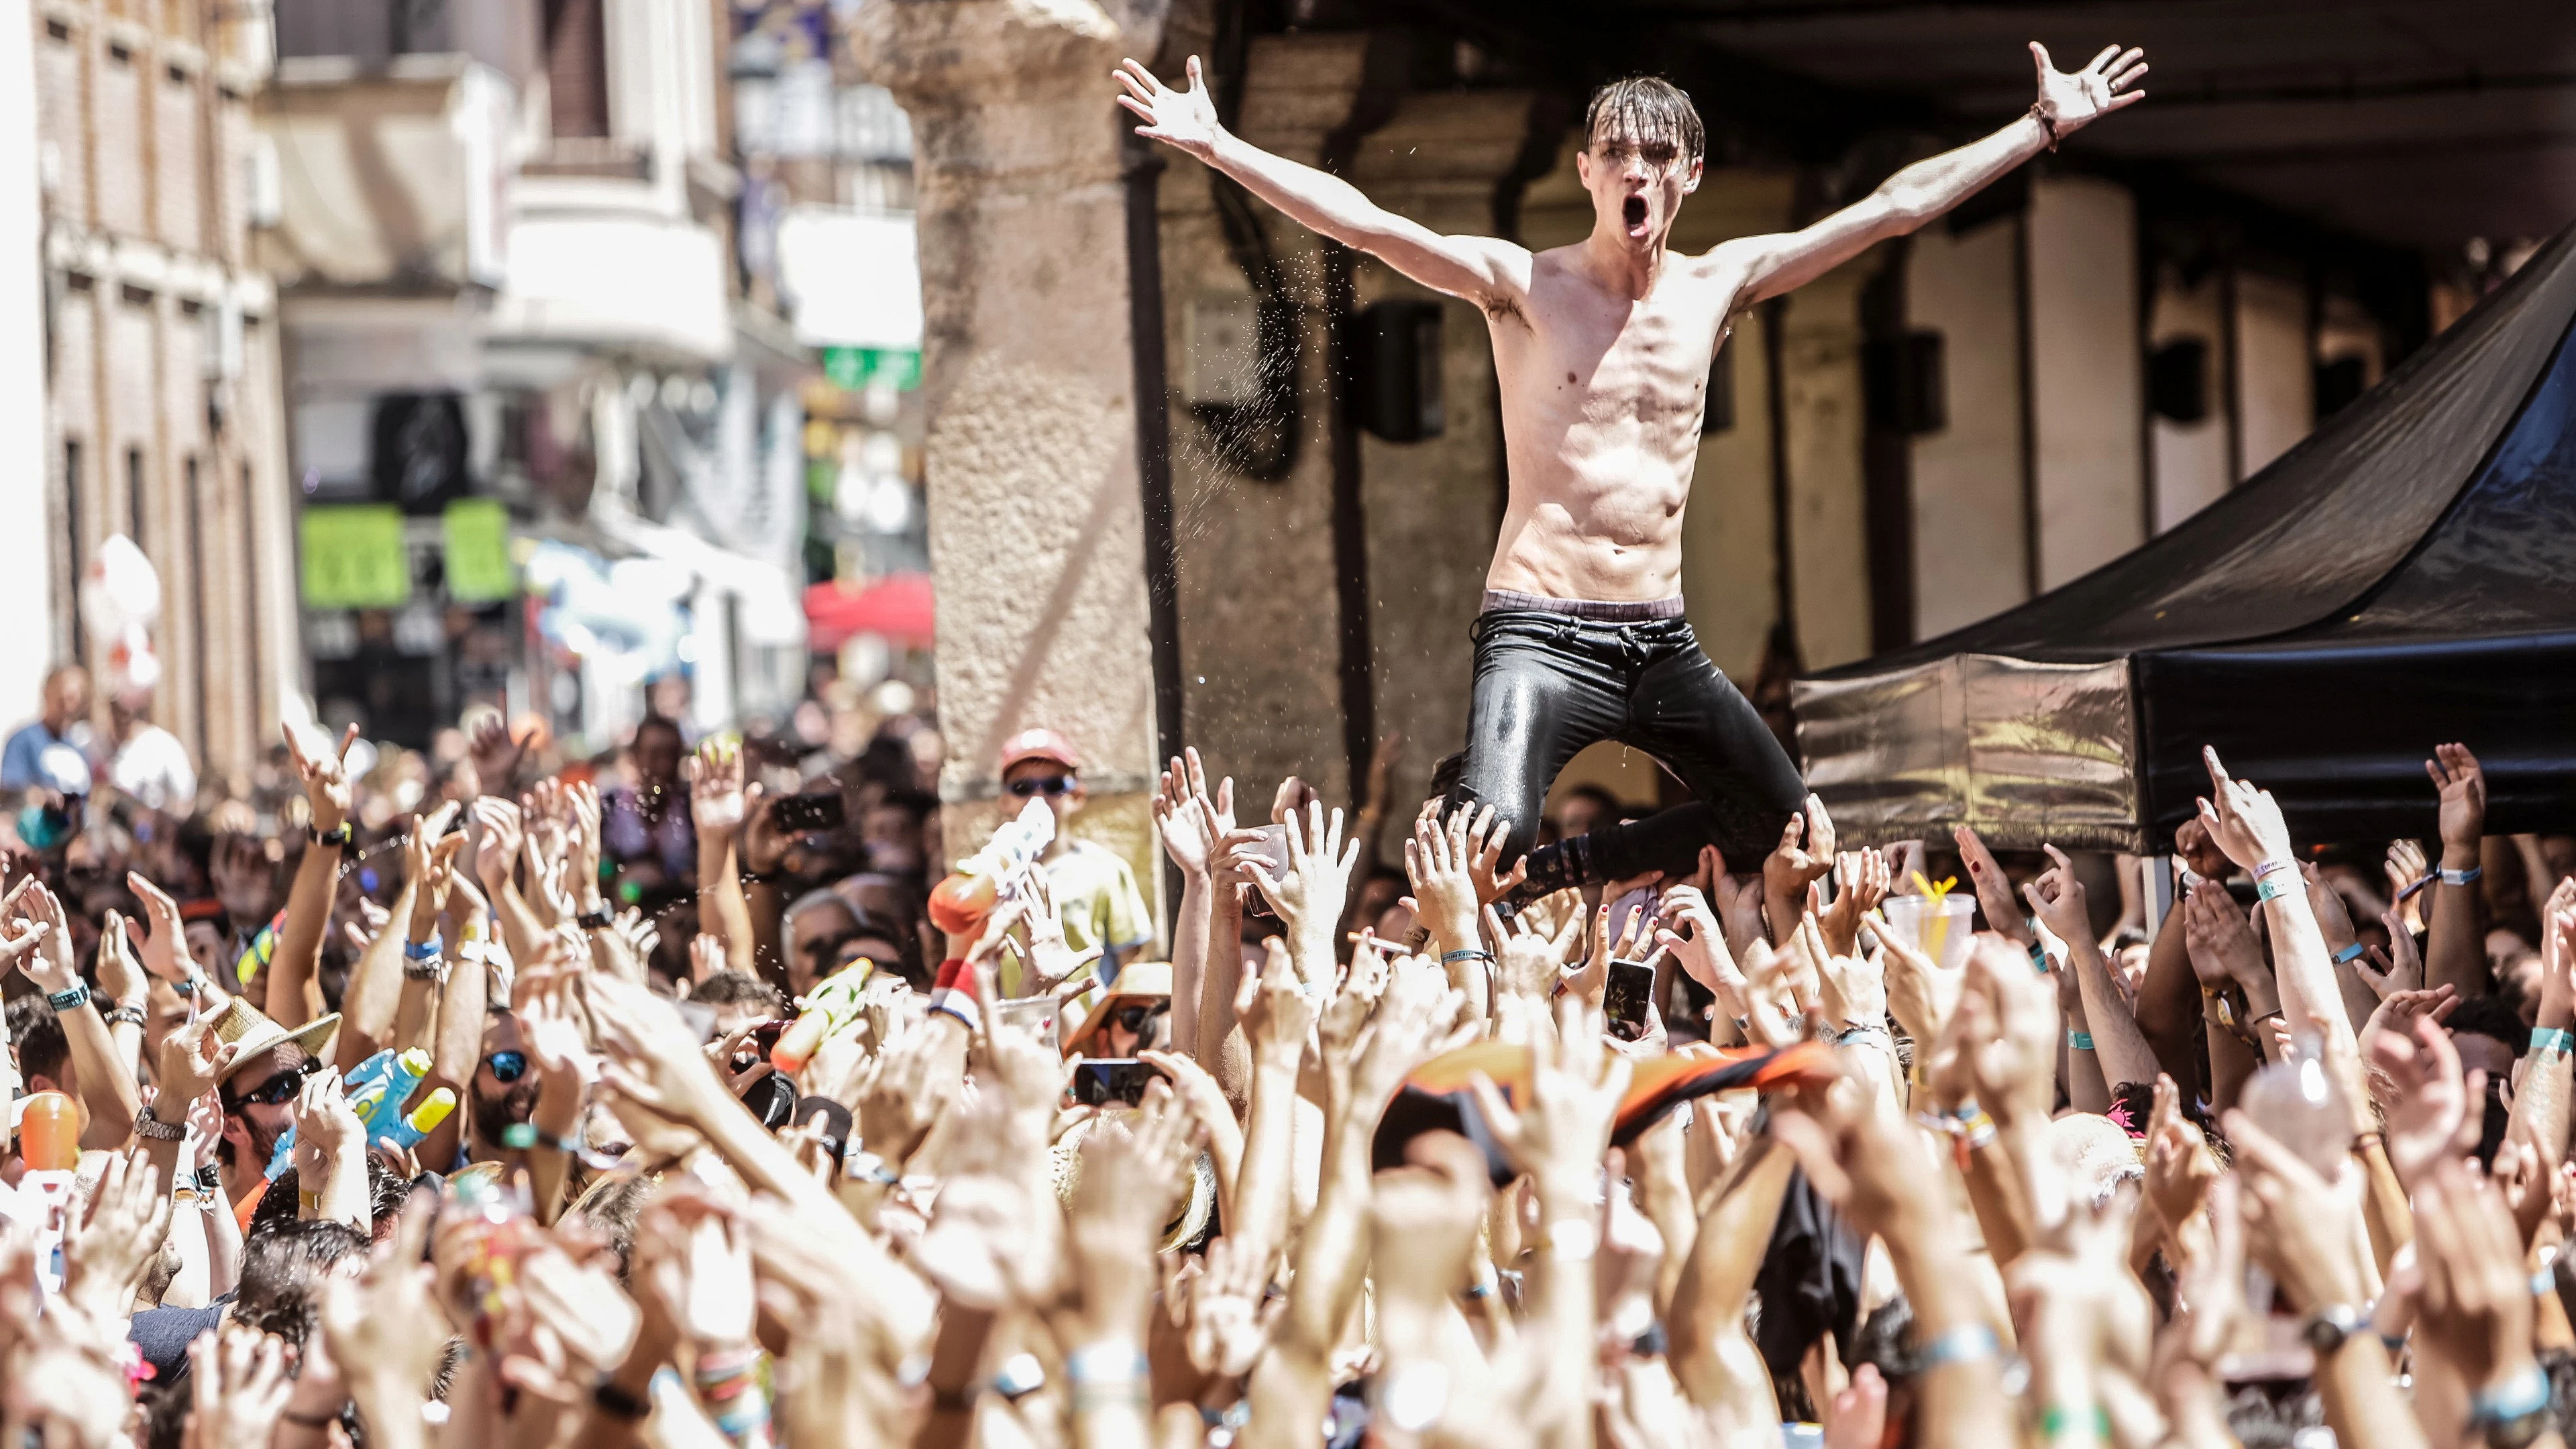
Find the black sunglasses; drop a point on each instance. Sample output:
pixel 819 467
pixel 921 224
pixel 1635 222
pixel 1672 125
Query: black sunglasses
pixel 280 1089
pixel 507 1066
pixel 1133 1019
pixel 1042 785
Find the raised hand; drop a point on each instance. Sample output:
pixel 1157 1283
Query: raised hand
pixel 2428 1116
pixel 109 1244
pixel 1309 896
pixel 1861 881
pixel 161 938
pixel 2396 967
pixel 2057 898
pixel 496 851
pixel 325 776
pixel 1805 853
pixel 1439 862
pixel 238 1383
pixel 2463 785
pixel 2300 1227
pixel 2476 1302
pixel 1186 119
pixel 1921 994
pixel 715 786
pixel 1190 834
pixel 495 754
pixel 2102 85
pixel 1222 1315
pixel 1575 1086
pixel 1993 887
pixel 2244 822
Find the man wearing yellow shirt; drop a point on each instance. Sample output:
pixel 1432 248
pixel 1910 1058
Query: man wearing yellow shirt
pixel 1095 893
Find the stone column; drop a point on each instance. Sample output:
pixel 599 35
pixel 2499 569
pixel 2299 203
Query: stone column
pixel 1035 526
pixel 1433 506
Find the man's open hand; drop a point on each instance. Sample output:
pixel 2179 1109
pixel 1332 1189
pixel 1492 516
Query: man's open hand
pixel 2101 86
pixel 1186 119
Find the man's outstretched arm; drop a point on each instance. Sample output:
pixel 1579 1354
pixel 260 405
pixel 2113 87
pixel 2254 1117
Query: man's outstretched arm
pixel 1785 261
pixel 1478 269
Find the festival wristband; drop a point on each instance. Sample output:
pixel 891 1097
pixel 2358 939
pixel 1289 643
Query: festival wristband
pixel 1967 1343
pixel 2039 955
pixel 2082 1041
pixel 2525 1393
pixel 952 992
pixel 2274 887
pixel 2352 952
pixel 2553 1039
pixel 2463 877
pixel 428 950
pixel 2271 868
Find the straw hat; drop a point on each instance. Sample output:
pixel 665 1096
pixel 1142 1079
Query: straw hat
pixel 1189 1221
pixel 247 1027
pixel 1137 981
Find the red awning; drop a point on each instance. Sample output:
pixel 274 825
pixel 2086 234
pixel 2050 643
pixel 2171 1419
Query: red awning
pixel 896 608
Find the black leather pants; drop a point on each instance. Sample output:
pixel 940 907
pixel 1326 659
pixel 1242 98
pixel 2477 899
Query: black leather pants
pixel 1548 684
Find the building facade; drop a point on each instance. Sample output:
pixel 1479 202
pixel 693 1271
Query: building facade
pixel 548 453
pixel 160 374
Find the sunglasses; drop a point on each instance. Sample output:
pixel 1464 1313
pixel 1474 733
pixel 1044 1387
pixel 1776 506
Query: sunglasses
pixel 1134 1019
pixel 1042 785
pixel 280 1089
pixel 507 1067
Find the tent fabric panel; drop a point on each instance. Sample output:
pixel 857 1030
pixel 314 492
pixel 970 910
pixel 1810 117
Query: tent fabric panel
pixel 1887 753
pixel 2504 557
pixel 2025 752
pixel 2338 731
pixel 2321 526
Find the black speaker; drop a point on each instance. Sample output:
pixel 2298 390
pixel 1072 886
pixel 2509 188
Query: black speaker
pixel 1395 370
pixel 417 454
pixel 2178 380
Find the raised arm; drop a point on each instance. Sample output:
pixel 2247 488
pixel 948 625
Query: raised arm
pixel 1479 269
pixel 2068 101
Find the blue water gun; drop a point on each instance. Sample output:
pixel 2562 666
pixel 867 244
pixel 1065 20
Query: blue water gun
pixel 376 1089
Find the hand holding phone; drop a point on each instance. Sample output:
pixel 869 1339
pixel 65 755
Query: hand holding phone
pixel 1108 1081
pixel 1628 997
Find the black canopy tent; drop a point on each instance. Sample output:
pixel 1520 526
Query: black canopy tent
pixel 2405 576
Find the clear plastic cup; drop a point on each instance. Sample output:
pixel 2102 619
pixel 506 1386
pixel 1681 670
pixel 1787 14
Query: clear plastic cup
pixel 1945 934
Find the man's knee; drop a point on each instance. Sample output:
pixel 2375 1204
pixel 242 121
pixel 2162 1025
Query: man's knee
pixel 1518 808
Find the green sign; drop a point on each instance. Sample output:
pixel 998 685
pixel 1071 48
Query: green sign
pixel 354 557
pixel 855 367
pixel 478 551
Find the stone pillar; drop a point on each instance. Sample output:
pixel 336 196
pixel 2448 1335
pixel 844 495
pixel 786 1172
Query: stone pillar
pixel 1828 524
pixel 1031 471
pixel 2087 383
pixel 1260 614
pixel 1433 506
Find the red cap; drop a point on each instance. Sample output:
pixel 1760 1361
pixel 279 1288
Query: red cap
pixel 1039 744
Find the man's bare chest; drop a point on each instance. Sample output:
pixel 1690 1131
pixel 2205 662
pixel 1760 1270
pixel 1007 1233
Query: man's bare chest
pixel 1609 358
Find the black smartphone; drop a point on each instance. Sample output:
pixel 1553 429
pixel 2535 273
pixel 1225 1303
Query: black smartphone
pixel 1631 994
pixel 765 1036
pixel 813 810
pixel 1105 1080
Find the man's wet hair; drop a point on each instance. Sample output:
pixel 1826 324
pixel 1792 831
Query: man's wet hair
pixel 1646 109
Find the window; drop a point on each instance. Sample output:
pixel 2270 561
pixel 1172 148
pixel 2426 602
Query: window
pixel 57 30
pixel 119 54
pixel 135 296
pixel 576 41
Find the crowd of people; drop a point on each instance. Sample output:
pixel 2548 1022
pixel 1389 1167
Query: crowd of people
pixel 485 1096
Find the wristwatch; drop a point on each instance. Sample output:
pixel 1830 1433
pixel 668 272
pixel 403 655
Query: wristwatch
pixel 147 1125
pixel 337 837
pixel 2328 1327
pixel 598 920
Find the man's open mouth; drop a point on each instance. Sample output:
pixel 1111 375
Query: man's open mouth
pixel 1633 212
